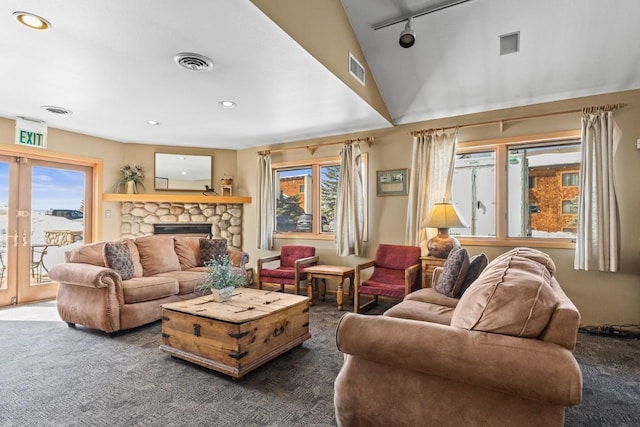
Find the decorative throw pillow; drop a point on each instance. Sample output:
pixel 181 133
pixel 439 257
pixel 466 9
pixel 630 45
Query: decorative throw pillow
pixel 476 265
pixel 212 248
pixel 118 257
pixel 453 272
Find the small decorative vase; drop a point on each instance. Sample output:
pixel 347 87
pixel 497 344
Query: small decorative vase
pixel 221 295
pixel 131 187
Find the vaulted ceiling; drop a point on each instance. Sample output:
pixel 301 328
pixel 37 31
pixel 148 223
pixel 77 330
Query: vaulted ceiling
pixel 284 64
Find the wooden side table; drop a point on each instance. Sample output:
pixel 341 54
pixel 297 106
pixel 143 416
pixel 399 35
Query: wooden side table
pixel 330 272
pixel 429 263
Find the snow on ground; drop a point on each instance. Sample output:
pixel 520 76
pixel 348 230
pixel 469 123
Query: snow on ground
pixel 40 222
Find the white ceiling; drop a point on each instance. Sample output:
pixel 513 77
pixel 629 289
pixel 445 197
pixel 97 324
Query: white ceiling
pixel 568 49
pixel 111 63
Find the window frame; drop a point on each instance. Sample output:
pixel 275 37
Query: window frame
pixel 501 147
pixel 316 165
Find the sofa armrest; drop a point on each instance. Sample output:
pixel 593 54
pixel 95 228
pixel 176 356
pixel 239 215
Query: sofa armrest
pixel 238 258
pixel 526 367
pixel 81 274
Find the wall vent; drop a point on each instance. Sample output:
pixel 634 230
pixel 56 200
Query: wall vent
pixel 356 69
pixel 510 43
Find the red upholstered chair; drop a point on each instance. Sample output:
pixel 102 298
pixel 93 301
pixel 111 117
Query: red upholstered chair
pixel 292 259
pixel 396 273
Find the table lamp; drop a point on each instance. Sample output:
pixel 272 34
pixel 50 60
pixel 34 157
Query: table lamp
pixel 443 216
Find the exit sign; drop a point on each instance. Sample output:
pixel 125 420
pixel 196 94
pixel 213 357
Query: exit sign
pixel 31 133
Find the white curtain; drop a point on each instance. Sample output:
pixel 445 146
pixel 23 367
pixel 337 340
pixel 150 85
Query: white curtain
pixel 349 218
pixel 431 175
pixel 597 209
pixel 266 202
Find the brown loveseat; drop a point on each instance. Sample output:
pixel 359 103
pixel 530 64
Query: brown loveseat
pixel 501 355
pixel 164 269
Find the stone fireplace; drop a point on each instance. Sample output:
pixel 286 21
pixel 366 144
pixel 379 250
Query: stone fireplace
pixel 138 218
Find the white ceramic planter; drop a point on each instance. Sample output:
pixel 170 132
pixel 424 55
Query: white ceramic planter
pixel 221 295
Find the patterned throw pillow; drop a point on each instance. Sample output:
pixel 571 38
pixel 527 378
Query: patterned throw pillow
pixel 118 257
pixel 453 272
pixel 212 248
pixel 476 265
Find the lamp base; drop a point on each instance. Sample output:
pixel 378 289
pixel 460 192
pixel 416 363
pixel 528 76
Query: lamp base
pixel 441 244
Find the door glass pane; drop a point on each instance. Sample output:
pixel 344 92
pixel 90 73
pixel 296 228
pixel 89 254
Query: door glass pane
pixel 57 217
pixel 294 205
pixel 4 226
pixel 474 193
pixel 548 208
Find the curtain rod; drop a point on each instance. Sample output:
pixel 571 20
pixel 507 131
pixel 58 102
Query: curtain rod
pixel 312 148
pixel 606 107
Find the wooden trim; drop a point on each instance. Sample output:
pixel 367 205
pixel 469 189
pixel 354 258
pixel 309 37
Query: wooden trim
pixel 523 139
pixel 175 198
pixel 552 243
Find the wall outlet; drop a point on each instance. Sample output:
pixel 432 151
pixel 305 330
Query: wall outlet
pixel 638 143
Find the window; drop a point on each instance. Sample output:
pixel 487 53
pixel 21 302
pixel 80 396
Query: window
pixel 306 197
pixel 474 193
pixel 570 179
pixel 525 188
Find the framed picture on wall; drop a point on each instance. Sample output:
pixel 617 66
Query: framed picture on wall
pixel 392 182
pixel 162 183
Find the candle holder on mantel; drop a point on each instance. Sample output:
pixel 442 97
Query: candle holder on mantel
pixel 226 185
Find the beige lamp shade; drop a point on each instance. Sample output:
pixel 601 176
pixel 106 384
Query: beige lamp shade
pixel 443 216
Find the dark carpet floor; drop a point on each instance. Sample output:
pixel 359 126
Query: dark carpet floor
pixel 51 375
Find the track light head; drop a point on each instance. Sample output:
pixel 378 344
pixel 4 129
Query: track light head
pixel 407 36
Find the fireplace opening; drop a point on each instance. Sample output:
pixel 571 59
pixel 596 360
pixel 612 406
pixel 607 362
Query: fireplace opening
pixel 190 229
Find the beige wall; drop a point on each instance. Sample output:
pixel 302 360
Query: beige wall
pixel 114 155
pixel 322 28
pixel 603 298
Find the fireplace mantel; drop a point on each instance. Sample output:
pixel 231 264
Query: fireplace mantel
pixel 175 198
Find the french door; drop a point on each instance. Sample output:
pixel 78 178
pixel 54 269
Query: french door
pixel 45 210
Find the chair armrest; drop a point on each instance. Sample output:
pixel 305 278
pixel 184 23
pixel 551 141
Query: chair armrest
pixel 357 280
pixel 299 263
pixel 303 261
pixel 435 276
pixel 526 367
pixel 81 274
pixel 267 259
pixel 411 276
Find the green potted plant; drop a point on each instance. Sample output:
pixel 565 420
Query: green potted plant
pixel 222 277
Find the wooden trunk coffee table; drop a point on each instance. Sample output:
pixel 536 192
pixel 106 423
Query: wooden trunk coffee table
pixel 330 272
pixel 237 336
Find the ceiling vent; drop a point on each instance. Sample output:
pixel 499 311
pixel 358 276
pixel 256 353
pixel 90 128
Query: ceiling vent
pixel 510 43
pixel 193 61
pixel 56 110
pixel 356 69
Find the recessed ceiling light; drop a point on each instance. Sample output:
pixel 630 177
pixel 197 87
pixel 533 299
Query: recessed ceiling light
pixel 153 122
pixel 32 21
pixel 56 110
pixel 182 158
pixel 183 173
pixel 227 104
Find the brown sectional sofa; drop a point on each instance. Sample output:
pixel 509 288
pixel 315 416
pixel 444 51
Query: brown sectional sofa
pixel 165 269
pixel 501 355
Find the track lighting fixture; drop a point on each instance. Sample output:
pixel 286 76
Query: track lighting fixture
pixel 407 36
